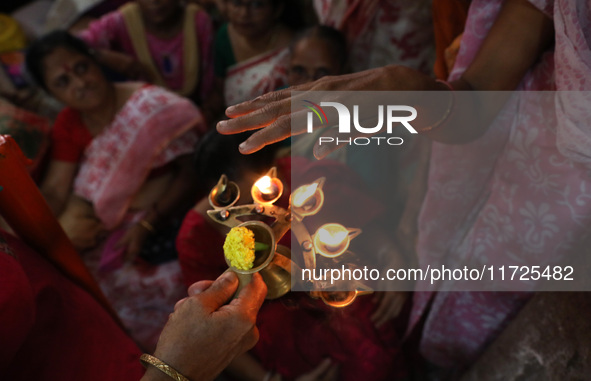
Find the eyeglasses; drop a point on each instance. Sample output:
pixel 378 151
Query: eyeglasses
pixel 255 5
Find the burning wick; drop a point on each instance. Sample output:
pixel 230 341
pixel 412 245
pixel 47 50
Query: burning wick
pixel 267 189
pixel 304 194
pixel 331 240
pixel 266 186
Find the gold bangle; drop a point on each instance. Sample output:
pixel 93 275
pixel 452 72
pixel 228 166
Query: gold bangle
pixel 146 225
pixel 447 113
pixel 147 359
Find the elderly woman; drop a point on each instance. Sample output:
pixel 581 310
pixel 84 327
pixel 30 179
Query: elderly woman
pixel 120 165
pixel 252 50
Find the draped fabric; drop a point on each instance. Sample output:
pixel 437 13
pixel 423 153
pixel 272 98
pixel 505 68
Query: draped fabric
pixel 257 76
pixel 52 329
pixel 520 193
pixel 152 129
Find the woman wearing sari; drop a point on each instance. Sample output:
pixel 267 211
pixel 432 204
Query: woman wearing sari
pixel 251 50
pixel 167 43
pixel 120 165
pixel 382 32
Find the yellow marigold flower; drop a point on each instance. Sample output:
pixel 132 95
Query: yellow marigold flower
pixel 239 248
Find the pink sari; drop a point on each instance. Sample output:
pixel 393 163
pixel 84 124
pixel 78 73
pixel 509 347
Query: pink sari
pixel 256 76
pixel 521 189
pixel 154 128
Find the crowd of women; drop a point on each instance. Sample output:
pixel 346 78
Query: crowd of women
pixel 134 153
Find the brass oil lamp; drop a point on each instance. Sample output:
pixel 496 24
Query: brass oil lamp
pixel 274 263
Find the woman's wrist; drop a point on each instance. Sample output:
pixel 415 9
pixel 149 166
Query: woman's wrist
pixel 164 370
pixel 151 219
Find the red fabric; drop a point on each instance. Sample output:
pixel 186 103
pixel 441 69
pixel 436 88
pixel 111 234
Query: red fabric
pixel 200 249
pixel 23 207
pixel 297 332
pixel 52 329
pixel 69 137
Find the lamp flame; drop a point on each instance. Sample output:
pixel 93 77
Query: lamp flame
pixel 332 240
pixel 265 185
pixel 267 189
pixel 303 194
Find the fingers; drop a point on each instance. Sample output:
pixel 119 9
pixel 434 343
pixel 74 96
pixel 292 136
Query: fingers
pixel 252 296
pixel 199 287
pixel 178 304
pixel 282 128
pixel 258 118
pixel 194 290
pixel 219 292
pixel 257 103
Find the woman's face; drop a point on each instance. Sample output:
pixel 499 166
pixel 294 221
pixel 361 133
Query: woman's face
pixel 157 12
pixel 75 79
pixel 252 18
pixel 312 59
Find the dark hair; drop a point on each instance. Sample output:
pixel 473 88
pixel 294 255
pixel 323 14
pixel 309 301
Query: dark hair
pixel 336 41
pixel 44 46
pixel 218 154
pixel 297 14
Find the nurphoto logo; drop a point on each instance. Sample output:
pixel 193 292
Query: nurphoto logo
pixel 392 114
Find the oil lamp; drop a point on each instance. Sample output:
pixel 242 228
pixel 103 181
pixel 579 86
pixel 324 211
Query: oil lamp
pixel 224 194
pixel 332 240
pixel 307 200
pixel 267 189
pixel 275 265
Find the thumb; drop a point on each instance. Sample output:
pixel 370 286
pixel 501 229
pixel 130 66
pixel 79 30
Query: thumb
pixel 220 291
